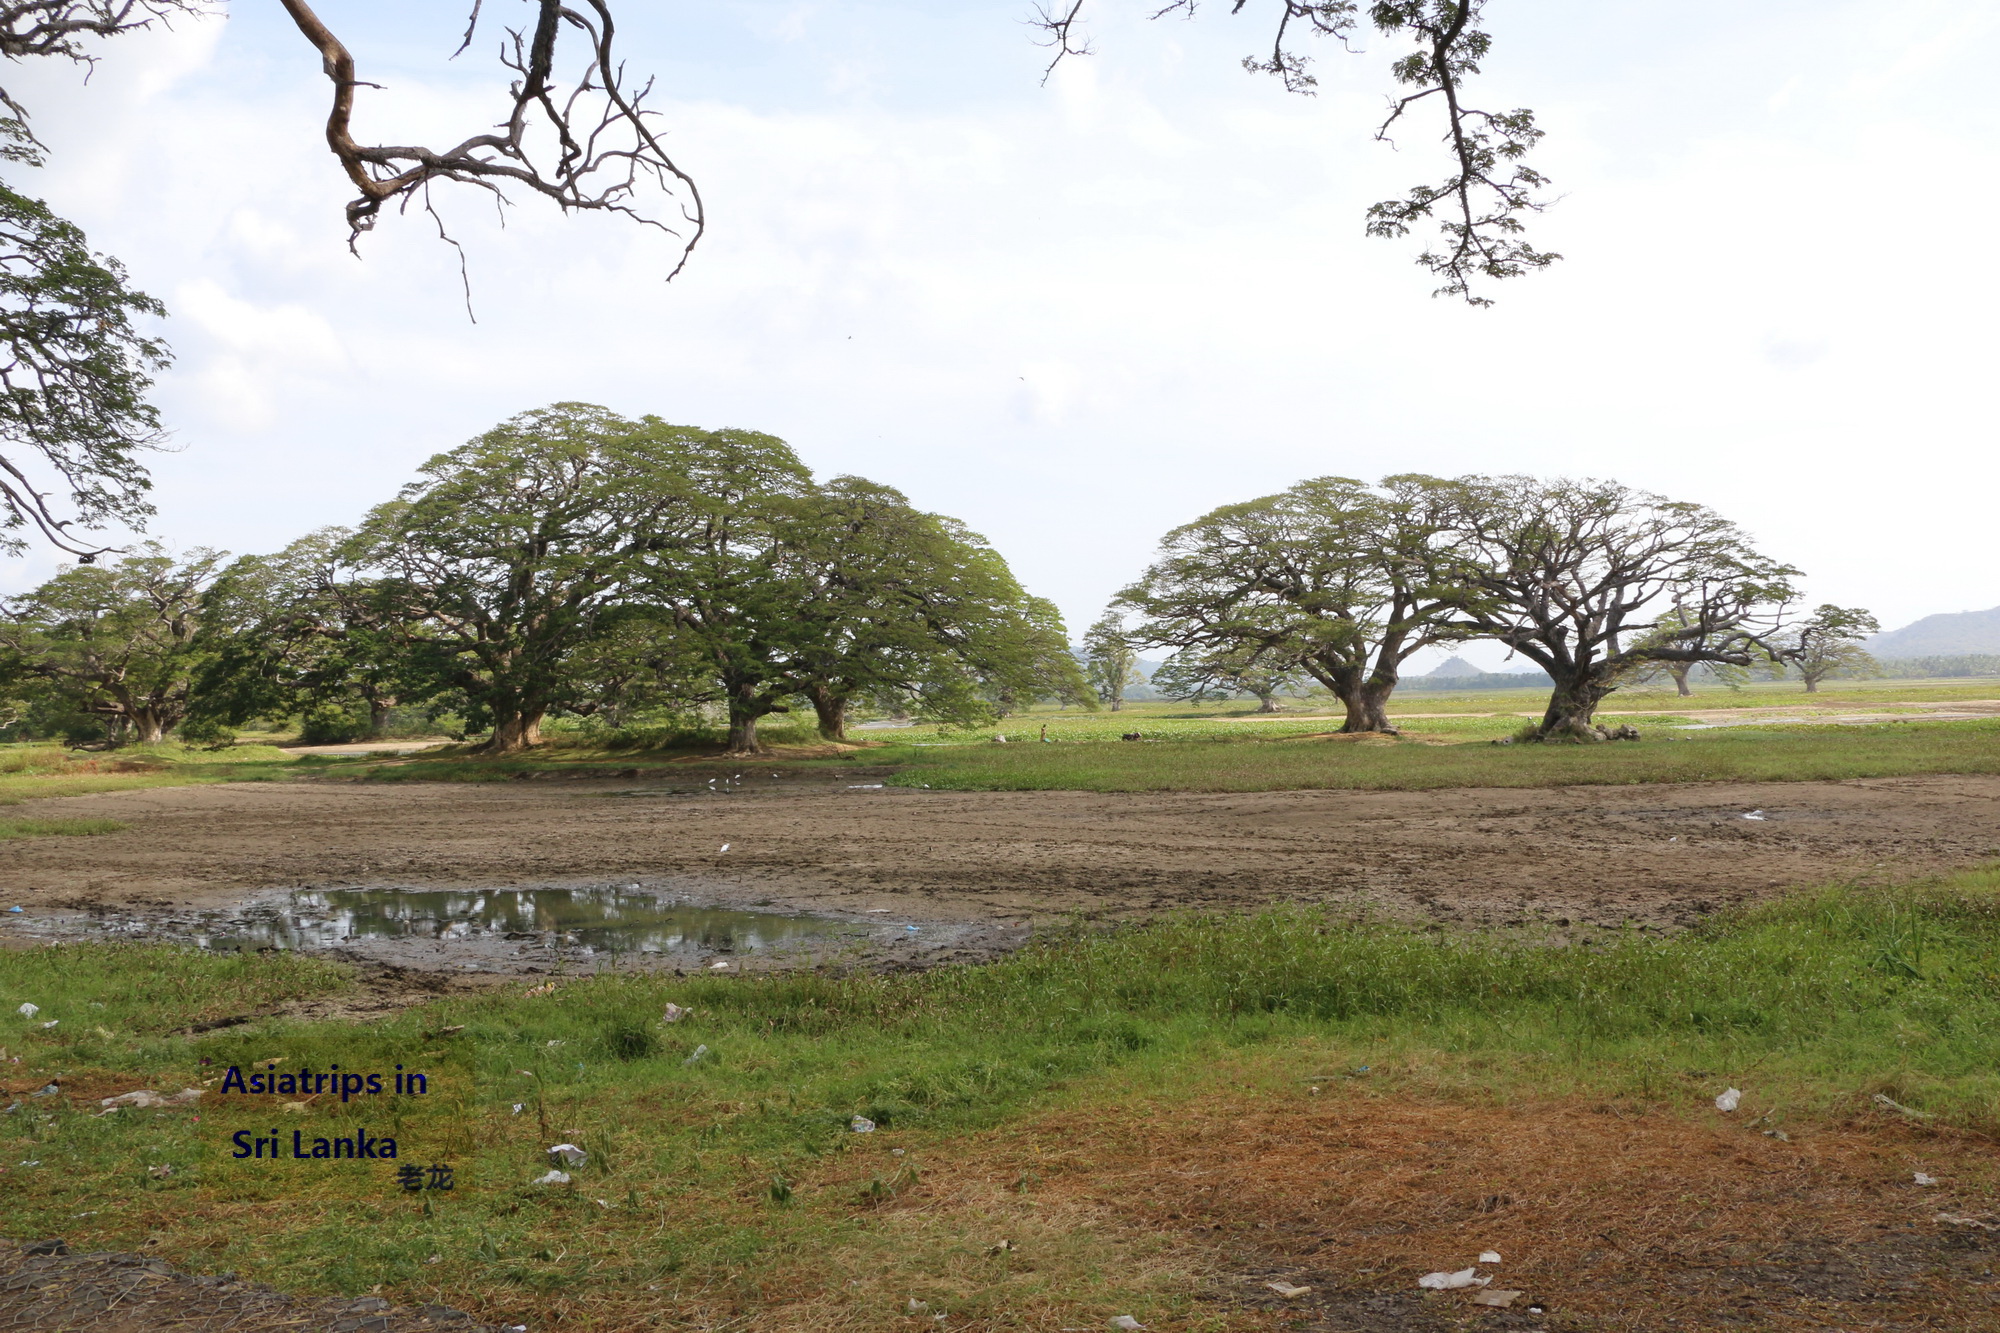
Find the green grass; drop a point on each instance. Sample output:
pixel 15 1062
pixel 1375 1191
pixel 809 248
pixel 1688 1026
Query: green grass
pixel 742 1161
pixel 57 828
pixel 1737 754
pixel 37 771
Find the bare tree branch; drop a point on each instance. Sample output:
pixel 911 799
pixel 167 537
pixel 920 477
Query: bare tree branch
pixel 56 27
pixel 589 149
pixel 1479 208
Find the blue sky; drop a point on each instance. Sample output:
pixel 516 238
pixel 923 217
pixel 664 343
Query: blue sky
pixel 1077 315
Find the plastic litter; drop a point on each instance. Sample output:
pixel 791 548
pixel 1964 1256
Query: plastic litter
pixel 1489 1257
pixel 719 965
pixel 47 1090
pixel 554 1177
pixel 725 847
pixel 520 1107
pixel 1899 1108
pixel 17 909
pixel 1459 1281
pixel 699 1052
pixel 145 1098
pixel 911 929
pixel 571 1154
pixel 1002 1246
pixel 1729 1100
pixel 1923 1179
pixel 1125 1321
pixel 674 1014
pixel 1287 1290
pixel 28 1010
pixel 861 1124
pixel 1977 1223
pixel 1496 1297
pixel 1757 815
pixel 864 786
pixel 51 1023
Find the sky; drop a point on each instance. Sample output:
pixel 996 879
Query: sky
pixel 1076 315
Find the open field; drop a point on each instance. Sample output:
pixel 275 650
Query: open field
pixel 1325 1013
pixel 821 839
pixel 1155 1122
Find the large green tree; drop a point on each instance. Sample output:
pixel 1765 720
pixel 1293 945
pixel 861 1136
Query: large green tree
pixel 1828 643
pixel 116 641
pixel 911 609
pixel 512 553
pixel 1591 580
pixel 1332 577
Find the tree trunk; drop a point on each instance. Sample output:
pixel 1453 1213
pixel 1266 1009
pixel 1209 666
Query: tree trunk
pixel 151 728
pixel 1572 705
pixel 1679 671
pixel 1812 684
pixel 831 710
pixel 1117 701
pixel 1367 704
pixel 1267 703
pixel 378 716
pixel 515 732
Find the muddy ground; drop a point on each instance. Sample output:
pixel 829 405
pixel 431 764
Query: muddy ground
pixel 979 867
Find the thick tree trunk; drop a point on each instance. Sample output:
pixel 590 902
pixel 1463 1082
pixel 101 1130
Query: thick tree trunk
pixel 743 733
pixel 149 727
pixel 1367 704
pixel 1267 703
pixel 831 709
pixel 1812 684
pixel 1680 675
pixel 378 717
pixel 1117 701
pixel 1572 705
pixel 516 732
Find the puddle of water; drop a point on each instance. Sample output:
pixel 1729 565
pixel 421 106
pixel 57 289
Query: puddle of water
pixel 603 920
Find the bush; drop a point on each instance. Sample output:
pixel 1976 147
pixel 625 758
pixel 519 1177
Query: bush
pixel 206 734
pixel 332 724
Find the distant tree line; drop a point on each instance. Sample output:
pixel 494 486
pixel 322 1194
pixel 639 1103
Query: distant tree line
pixel 1598 584
pixel 568 563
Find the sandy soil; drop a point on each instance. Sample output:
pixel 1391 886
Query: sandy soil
pixel 1656 855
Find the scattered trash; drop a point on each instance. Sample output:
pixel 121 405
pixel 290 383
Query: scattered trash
pixel 1489 1257
pixel 674 1014
pixel 911 929
pixel 1899 1108
pixel 1778 1134
pixel 895 1152
pixel 1952 1221
pixel 1123 1320
pixel 1459 1281
pixel 719 965
pixel 1757 815
pixel 296 1108
pixel 861 1124
pixel 558 1041
pixel 1496 1297
pixel 28 1010
pixel 47 1090
pixel 16 909
pixel 51 1023
pixel 546 988
pixel 602 1204
pixel 699 1052
pixel 1002 1246
pixel 1729 1100
pixel 160 1172
pixel 864 786
pixel 1923 1179
pixel 145 1098
pixel 554 1177
pixel 725 847
pixel 570 1154
pixel 1287 1290
pixel 915 1306
pixel 520 1107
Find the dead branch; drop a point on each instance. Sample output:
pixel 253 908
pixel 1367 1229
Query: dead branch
pixel 590 148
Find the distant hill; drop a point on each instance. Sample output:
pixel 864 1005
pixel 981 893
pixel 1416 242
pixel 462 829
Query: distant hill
pixel 1456 666
pixel 1952 633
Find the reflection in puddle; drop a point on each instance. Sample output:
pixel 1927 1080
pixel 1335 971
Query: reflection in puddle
pixel 609 920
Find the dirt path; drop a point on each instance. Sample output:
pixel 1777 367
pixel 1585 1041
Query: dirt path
pixel 1657 855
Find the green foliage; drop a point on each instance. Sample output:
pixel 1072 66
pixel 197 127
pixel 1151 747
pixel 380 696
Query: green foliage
pixel 113 643
pixel 73 409
pixel 1829 644
pixel 1110 659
